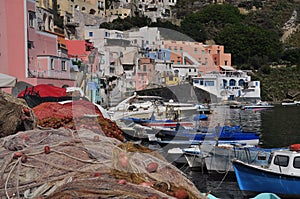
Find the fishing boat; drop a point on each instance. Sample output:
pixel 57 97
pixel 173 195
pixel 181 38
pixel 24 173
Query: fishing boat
pixel 257 106
pixel 176 155
pixel 135 132
pixel 138 106
pixel 204 109
pixel 217 134
pixel 259 196
pixel 293 103
pixel 281 176
pixel 159 123
pixel 218 157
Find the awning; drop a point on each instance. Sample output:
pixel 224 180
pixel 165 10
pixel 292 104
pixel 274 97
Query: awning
pixel 227 68
pixel 7 81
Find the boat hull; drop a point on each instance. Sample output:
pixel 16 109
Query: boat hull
pixel 253 180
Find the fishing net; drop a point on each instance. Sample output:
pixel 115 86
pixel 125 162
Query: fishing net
pixel 15 115
pixel 65 163
pixel 75 115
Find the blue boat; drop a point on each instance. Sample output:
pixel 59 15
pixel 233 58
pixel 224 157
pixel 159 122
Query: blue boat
pixel 281 176
pixel 259 196
pixel 159 123
pixel 220 133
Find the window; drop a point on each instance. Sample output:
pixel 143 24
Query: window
pixel 144 67
pixel 296 162
pixel 51 64
pixel 225 62
pixel 30 45
pixel 241 82
pixel 63 65
pixel 196 81
pixel 281 160
pixel 31 19
pixel 90 34
pixel 111 70
pixel 232 82
pixel 209 83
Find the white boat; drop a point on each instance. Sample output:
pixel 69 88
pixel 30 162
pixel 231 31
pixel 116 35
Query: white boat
pixel 135 131
pixel 176 155
pixel 138 106
pixel 281 176
pixel 290 103
pixel 258 105
pixel 229 84
pixel 218 158
pixel 204 108
pixel 194 157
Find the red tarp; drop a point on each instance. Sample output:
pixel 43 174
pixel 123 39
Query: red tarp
pixel 45 90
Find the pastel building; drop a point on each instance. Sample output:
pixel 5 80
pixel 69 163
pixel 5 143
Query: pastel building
pixel 163 65
pixel 33 56
pixel 67 8
pixel 206 58
pixel 145 38
pixel 145 73
pixel 86 57
pixel 100 37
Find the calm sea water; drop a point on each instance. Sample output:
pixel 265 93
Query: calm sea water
pixel 279 126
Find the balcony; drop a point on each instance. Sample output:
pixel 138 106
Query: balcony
pixel 53 74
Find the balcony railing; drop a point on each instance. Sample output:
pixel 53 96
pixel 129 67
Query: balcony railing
pixel 53 74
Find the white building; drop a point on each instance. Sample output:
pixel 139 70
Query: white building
pixel 145 38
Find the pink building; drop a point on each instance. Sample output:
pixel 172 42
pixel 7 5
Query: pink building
pixel 145 72
pixel 80 50
pixel 33 56
pixel 206 57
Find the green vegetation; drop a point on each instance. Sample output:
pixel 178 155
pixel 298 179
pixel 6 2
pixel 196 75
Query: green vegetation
pixel 279 81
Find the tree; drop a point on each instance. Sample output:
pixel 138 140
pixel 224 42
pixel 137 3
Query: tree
pixel 247 42
pixel 207 22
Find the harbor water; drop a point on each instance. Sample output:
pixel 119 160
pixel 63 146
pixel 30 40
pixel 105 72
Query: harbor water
pixel 279 127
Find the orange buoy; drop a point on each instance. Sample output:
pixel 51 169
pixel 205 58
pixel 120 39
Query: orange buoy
pixel 295 147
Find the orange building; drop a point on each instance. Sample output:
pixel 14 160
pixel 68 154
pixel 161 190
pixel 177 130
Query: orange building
pixel 206 57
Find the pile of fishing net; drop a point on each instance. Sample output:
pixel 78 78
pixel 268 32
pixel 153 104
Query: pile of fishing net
pixel 65 163
pixel 75 115
pixel 15 115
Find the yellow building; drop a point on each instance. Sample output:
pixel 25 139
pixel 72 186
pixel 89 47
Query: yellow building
pixel 92 7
